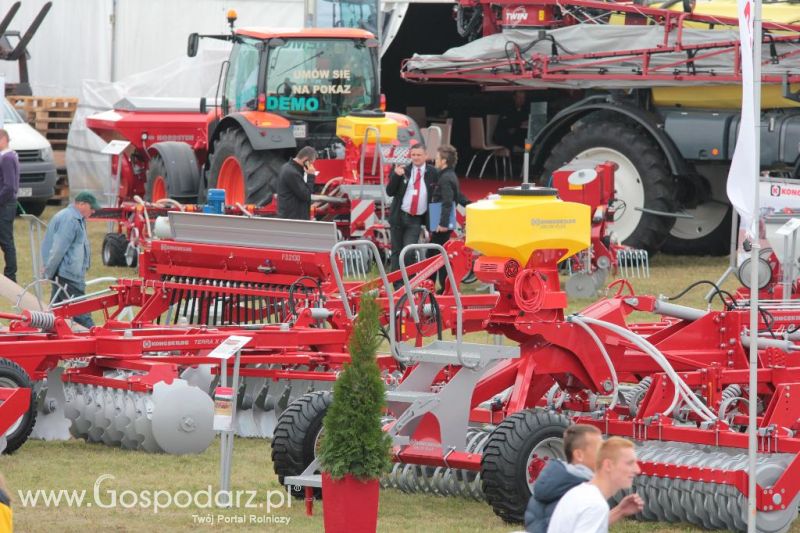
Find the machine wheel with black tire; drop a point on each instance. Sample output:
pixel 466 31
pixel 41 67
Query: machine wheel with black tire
pixel 249 176
pixel 115 245
pixel 296 438
pixel 517 450
pixel 642 181
pixel 33 207
pixel 13 376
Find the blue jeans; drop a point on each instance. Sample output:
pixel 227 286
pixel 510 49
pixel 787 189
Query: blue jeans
pixel 8 211
pixel 71 290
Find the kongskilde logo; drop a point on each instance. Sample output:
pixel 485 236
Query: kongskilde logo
pixel 784 190
pixel 516 15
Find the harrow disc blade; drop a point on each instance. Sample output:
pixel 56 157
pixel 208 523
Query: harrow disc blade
pixel 199 376
pixel 52 422
pixel 581 285
pixel 183 418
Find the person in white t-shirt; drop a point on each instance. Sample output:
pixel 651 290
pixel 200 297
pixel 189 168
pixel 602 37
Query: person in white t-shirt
pixel 584 509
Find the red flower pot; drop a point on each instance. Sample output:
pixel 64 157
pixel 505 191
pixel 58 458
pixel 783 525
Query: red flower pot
pixel 349 505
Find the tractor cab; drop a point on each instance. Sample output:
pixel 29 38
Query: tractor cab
pixel 285 88
pixel 309 75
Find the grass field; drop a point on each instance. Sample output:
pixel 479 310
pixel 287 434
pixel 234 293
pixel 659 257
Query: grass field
pixel 75 465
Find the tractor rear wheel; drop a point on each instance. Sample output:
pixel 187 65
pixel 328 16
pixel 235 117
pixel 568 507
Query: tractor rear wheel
pixel 161 183
pixel 13 376
pixel 643 180
pixel 249 176
pixel 114 247
pixel 516 452
pixel 296 439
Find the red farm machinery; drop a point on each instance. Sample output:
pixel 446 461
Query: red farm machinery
pixel 653 86
pixel 482 420
pixel 278 91
pixel 144 379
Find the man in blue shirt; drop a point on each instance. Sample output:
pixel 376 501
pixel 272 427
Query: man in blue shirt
pixel 9 185
pixel 66 251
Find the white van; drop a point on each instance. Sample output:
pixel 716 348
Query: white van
pixel 37 178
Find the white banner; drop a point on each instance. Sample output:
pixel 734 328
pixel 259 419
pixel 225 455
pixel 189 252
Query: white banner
pixel 743 174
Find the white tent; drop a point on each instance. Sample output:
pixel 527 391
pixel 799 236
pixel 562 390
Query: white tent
pixel 110 40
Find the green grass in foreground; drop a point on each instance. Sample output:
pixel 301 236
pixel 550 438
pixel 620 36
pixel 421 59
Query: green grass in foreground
pixel 75 465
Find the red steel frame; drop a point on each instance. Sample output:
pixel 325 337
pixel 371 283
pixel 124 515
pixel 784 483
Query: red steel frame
pixel 554 68
pixel 706 352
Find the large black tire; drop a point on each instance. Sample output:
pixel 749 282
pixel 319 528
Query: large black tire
pixel 157 170
pixel 33 207
pixel 642 167
pixel 14 376
pixel 295 438
pixel 113 251
pixel 260 168
pixel 713 240
pixel 504 466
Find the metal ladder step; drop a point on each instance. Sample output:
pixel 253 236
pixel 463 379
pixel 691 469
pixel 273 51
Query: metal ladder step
pixel 444 352
pixel 408 396
pixel 313 480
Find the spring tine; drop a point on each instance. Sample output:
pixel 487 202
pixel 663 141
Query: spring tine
pixel 186 294
pixel 218 304
pixel 209 301
pixel 236 296
pixel 170 308
pixel 201 303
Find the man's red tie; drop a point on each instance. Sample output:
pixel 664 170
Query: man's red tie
pixel 415 197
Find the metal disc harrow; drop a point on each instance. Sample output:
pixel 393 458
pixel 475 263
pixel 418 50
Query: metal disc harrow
pixel 175 418
pixel 704 504
pixel 441 480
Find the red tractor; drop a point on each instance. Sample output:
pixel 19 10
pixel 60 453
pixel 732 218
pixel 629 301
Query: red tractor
pixel 279 90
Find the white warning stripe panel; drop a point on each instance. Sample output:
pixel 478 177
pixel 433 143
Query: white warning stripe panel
pixel 362 216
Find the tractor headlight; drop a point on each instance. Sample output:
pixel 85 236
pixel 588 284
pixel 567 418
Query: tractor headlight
pixel 47 153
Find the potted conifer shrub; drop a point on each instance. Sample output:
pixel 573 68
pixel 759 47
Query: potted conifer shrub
pixel 355 451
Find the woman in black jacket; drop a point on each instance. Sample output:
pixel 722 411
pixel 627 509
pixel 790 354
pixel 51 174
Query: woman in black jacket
pixel 445 192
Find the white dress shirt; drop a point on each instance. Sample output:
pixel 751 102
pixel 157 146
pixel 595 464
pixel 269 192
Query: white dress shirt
pixel 422 205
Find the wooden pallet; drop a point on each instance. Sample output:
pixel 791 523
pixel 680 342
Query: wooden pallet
pixel 50 115
pixel 61 194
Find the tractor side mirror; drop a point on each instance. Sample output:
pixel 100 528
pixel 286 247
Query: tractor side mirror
pixel 192 44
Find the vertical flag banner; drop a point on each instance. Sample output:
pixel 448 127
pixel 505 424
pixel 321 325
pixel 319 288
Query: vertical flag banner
pixel 742 181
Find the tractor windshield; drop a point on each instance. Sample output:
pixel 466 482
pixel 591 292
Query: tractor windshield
pixel 321 78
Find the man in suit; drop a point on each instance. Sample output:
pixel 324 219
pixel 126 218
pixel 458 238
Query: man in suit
pixel 296 184
pixel 411 188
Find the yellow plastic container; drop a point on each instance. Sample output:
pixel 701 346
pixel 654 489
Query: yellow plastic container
pixel 354 128
pixel 521 220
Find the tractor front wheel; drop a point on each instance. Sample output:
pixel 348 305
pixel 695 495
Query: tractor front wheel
pixel 296 439
pixel 162 182
pixel 516 452
pixel 249 176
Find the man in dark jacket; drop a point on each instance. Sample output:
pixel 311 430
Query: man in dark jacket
pixel 411 188
pixel 446 193
pixel 296 184
pixel 9 185
pixel 581 444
